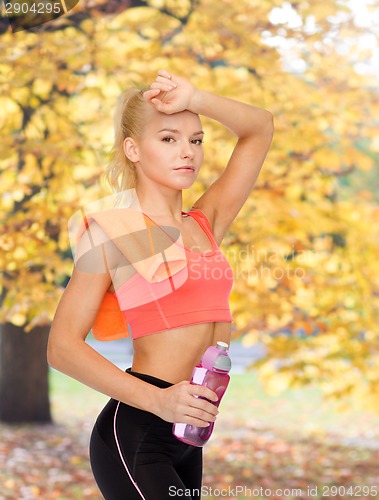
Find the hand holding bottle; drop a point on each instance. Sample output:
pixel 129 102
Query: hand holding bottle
pixel 212 373
pixel 188 403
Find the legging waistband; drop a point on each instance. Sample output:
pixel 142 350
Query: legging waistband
pixel 163 384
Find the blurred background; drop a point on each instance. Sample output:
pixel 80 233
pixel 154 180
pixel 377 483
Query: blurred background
pixel 302 410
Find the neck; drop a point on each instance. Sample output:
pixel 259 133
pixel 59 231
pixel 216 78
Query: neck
pixel 159 203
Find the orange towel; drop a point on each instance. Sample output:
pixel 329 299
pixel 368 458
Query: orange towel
pixel 109 323
pixel 153 253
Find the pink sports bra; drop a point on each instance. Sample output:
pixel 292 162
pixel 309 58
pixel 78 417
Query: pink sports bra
pixel 198 293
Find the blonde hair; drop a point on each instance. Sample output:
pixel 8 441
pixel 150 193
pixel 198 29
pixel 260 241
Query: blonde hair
pixel 129 121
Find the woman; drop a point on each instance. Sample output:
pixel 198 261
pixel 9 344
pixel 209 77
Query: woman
pixel 159 141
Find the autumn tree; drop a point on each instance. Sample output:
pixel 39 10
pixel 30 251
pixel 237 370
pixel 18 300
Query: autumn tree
pixel 44 154
pixel 304 260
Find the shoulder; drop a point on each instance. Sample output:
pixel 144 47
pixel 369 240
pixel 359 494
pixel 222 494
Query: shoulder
pixel 94 250
pixel 110 231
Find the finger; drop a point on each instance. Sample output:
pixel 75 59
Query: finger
pixel 163 72
pixel 198 417
pixel 149 94
pixel 163 86
pixel 164 79
pixel 204 406
pixel 203 414
pixel 162 107
pixel 198 422
pixel 194 421
pixel 204 392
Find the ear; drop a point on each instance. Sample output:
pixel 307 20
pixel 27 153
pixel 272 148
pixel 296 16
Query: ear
pixel 131 149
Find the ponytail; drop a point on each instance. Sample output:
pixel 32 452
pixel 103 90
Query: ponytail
pixel 120 174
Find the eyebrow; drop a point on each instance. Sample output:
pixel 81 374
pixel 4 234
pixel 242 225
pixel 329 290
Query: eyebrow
pixel 174 131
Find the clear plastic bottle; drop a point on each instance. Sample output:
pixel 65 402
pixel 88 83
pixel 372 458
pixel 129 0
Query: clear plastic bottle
pixel 212 372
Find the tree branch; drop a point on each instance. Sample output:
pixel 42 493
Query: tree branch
pixel 84 10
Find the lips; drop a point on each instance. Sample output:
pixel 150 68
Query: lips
pixel 185 167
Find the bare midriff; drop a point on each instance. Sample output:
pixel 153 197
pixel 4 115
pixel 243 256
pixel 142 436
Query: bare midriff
pixel 171 355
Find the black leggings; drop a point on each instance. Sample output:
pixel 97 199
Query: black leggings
pixel 134 455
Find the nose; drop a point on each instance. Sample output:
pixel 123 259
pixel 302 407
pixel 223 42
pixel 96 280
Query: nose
pixel 187 150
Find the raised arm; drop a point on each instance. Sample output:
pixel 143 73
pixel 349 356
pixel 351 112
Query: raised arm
pixel 253 127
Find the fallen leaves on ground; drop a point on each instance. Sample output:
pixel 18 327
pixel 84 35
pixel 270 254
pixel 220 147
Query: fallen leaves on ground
pixel 51 462
pixel 46 462
pixel 255 459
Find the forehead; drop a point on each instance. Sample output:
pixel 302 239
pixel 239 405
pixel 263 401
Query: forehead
pixel 184 121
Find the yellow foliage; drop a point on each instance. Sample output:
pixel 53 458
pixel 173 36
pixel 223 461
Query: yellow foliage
pixel 307 273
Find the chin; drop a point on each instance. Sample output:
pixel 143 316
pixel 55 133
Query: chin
pixel 183 183
pixel 187 185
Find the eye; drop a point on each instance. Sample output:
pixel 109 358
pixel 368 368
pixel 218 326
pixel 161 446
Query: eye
pixel 167 139
pixel 198 141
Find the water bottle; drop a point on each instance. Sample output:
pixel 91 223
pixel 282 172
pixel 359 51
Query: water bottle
pixel 212 372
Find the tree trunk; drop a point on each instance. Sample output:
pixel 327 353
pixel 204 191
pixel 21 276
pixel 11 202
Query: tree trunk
pixel 24 389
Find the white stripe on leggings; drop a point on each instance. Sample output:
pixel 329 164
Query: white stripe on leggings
pixel 120 453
